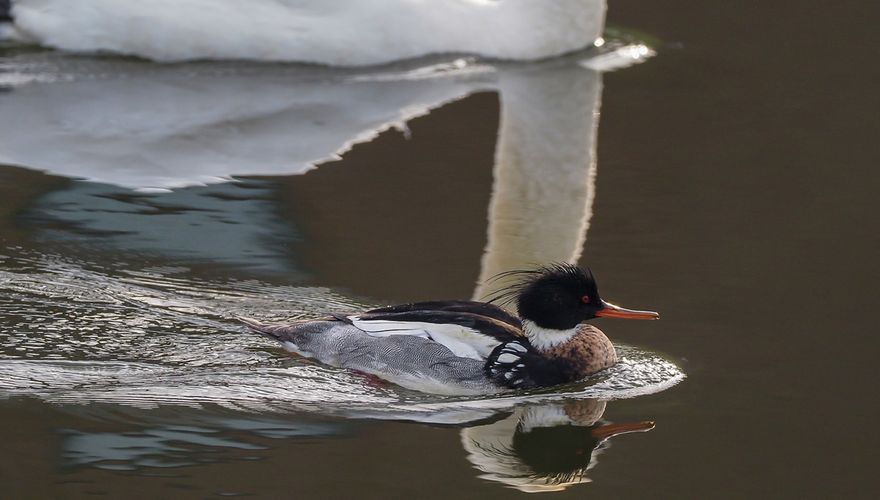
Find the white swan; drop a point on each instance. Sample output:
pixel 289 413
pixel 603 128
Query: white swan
pixel 337 32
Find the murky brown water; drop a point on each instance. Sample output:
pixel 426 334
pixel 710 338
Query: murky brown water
pixel 734 191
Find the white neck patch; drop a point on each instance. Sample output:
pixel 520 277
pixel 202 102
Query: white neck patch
pixel 546 338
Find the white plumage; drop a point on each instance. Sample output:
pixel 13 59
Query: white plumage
pixel 462 341
pixel 336 32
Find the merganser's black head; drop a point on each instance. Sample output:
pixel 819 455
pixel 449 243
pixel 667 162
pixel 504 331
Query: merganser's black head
pixel 560 296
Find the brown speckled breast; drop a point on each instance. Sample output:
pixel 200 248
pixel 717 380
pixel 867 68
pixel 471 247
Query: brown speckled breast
pixel 588 352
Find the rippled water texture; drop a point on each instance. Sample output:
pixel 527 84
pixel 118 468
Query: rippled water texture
pixel 79 335
pixel 727 181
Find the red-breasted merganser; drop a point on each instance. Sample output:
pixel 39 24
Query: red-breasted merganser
pixel 467 347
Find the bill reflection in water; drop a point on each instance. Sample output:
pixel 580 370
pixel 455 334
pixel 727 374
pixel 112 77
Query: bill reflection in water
pixel 544 447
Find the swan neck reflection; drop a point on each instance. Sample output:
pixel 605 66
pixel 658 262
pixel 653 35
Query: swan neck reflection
pixel 545 171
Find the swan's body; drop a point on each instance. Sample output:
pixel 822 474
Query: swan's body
pixel 337 32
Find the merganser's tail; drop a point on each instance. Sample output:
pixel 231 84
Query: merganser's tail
pixel 9 31
pixel 256 325
pixel 282 332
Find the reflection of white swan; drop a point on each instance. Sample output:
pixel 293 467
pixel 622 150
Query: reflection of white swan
pixel 145 126
pixel 545 164
pixel 541 448
pixel 139 125
pixel 338 32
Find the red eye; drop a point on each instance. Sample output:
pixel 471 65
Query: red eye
pixel 585 299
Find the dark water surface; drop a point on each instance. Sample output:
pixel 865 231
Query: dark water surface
pixel 730 184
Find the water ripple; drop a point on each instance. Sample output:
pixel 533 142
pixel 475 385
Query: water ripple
pixel 77 334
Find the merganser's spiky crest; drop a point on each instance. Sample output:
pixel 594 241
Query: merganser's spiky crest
pixel 522 278
pixel 557 296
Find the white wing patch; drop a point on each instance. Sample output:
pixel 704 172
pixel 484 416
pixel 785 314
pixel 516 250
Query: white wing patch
pixel 384 328
pixel 462 341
